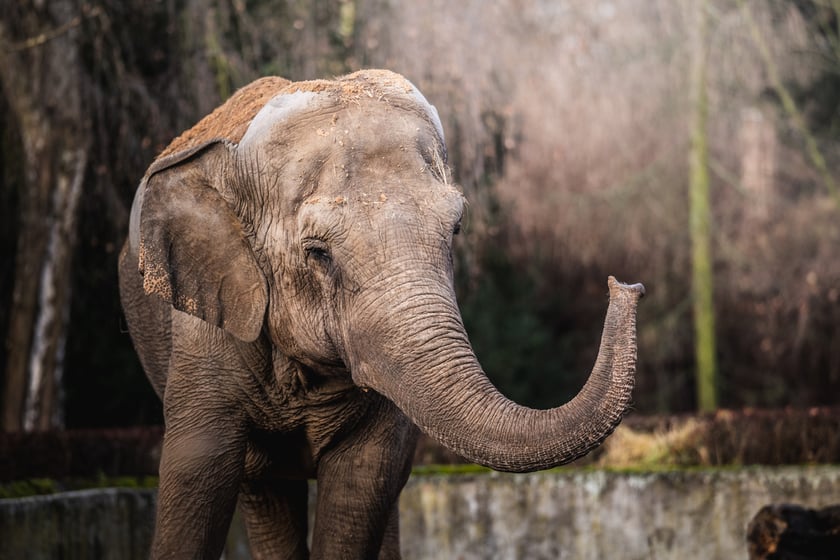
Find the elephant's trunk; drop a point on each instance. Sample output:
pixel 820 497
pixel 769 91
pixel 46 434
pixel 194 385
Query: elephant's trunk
pixel 440 385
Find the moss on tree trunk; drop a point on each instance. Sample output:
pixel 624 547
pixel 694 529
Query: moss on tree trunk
pixel 700 222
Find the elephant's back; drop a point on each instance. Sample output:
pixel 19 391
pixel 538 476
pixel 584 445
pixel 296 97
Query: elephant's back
pixel 230 120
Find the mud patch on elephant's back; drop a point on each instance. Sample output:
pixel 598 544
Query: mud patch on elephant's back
pixel 231 119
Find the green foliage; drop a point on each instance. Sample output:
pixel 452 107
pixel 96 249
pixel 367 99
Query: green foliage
pixel 432 470
pixel 30 487
pixel 43 486
pixel 511 324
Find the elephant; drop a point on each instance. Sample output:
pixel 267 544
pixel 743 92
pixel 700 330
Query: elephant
pixel 287 281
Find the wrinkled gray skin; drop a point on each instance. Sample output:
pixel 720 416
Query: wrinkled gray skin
pixel 290 296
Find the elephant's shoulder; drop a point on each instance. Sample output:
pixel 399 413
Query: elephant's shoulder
pixel 230 120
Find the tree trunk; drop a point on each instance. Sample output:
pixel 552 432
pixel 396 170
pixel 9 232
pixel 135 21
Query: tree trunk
pixel 41 76
pixel 700 220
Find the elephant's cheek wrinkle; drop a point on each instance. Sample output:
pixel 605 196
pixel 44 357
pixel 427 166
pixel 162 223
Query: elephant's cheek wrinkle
pixel 361 374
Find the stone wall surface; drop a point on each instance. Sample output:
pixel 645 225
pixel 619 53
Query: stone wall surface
pixel 600 515
pixel 106 524
pixel 567 514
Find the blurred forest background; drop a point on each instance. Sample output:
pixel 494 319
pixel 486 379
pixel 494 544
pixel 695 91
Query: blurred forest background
pixel 569 128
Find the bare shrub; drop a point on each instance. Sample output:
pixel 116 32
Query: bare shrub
pixel 568 129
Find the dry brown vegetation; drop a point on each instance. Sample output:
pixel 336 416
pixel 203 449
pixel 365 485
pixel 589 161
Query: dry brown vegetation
pixel 743 437
pixel 725 438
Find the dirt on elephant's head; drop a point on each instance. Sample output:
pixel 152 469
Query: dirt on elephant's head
pixel 375 84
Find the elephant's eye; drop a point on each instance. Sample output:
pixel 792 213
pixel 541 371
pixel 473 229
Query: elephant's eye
pixel 457 229
pixel 317 250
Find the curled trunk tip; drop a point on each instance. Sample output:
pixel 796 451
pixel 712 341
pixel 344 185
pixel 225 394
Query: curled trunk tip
pixel 616 288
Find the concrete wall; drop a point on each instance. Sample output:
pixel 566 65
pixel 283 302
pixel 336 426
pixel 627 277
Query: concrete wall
pixel 106 524
pixel 559 515
pixel 600 515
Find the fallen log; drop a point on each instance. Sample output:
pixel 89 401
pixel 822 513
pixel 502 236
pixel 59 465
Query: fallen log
pixel 792 532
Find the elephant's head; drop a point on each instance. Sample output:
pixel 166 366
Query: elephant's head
pixel 327 225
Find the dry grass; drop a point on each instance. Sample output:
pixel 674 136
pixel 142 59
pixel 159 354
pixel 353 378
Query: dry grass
pixel 680 445
pixel 728 437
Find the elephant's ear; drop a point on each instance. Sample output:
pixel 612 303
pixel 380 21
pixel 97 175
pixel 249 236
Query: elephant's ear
pixel 194 254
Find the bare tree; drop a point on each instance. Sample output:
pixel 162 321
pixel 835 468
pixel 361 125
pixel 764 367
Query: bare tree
pixel 41 78
pixel 92 90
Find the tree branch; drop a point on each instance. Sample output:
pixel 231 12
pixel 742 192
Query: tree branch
pixel 788 103
pixel 47 36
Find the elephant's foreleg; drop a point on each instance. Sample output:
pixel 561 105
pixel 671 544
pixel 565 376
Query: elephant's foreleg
pixel 203 459
pixel 359 481
pixel 200 473
pixel 391 539
pixel 275 515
